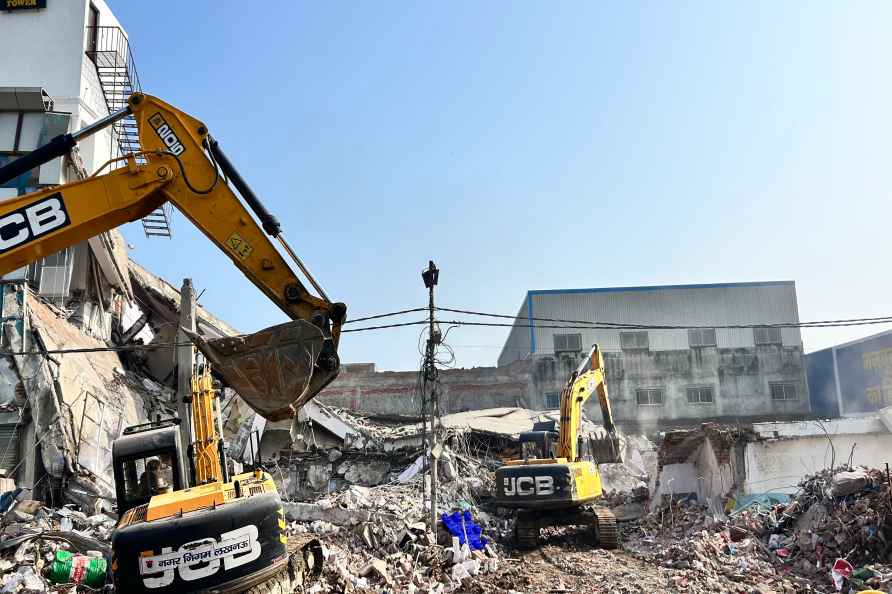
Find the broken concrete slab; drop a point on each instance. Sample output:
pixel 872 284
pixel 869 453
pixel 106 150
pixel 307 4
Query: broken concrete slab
pixel 310 512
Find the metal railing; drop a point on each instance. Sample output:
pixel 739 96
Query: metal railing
pixel 109 49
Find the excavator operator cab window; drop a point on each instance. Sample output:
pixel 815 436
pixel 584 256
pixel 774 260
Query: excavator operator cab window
pixel 535 445
pixel 533 450
pixel 148 476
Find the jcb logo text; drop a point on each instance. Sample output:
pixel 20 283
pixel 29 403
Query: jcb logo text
pixel 528 485
pixel 26 224
pixel 166 135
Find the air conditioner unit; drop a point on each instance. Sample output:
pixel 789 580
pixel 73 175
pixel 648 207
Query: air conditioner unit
pixel 54 281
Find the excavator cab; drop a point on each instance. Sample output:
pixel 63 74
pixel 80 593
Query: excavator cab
pixel 537 444
pixel 540 442
pixel 146 463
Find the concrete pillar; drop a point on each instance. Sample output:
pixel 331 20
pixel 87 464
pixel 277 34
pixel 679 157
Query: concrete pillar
pixel 185 360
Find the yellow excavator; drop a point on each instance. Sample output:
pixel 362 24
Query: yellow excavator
pixel 552 485
pixel 216 532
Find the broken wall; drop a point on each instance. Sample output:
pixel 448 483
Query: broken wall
pixel 79 403
pixel 395 393
pixel 789 451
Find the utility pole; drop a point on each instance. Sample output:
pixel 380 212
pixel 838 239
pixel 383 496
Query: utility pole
pixel 430 277
pixel 185 360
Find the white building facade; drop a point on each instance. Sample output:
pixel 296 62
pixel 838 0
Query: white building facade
pixel 67 63
pixel 660 376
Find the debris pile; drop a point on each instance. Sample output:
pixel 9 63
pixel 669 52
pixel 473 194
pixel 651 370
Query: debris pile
pixel 397 554
pixel 834 534
pixel 843 514
pixel 44 549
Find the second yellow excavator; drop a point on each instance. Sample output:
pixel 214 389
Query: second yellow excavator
pixel 552 484
pixel 194 529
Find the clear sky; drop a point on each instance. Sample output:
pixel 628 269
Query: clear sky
pixel 532 145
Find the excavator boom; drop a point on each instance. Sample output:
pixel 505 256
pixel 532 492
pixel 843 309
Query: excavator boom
pixel 588 379
pixel 275 370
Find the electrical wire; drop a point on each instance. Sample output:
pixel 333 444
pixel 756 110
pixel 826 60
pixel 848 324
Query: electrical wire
pixel 563 324
pixel 129 347
pixel 648 326
pixel 386 315
pixel 366 328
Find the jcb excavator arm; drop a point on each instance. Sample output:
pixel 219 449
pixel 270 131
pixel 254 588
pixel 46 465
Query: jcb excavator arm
pixel 588 379
pixel 276 370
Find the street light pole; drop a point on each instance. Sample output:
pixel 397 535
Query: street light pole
pixel 430 277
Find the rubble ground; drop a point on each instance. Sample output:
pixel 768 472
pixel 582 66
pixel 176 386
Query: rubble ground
pixel 762 546
pixel 833 535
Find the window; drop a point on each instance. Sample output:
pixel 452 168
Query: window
pixel 767 335
pixel 92 30
pixel 552 400
pixel 567 343
pixel 781 391
pixel 700 395
pixel 634 340
pixel 649 397
pixel 701 337
pixel 144 477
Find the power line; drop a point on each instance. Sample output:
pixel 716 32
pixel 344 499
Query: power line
pixel 129 347
pixel 386 315
pixel 519 321
pixel 647 326
pixel 366 328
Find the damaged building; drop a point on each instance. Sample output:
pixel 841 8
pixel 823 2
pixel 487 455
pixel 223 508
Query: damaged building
pixel 60 411
pixel 658 378
pixel 706 369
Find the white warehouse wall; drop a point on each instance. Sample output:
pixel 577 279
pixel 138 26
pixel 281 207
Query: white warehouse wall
pixel 717 305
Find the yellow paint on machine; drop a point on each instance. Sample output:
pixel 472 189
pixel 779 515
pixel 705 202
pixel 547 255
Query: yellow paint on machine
pixel 210 495
pixel 587 480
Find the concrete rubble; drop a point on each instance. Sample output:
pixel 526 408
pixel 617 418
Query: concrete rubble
pixel 376 536
pixel 378 540
pixel 689 517
pixel 33 534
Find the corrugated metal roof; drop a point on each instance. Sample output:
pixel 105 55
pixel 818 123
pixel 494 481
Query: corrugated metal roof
pixel 663 287
pixel 713 304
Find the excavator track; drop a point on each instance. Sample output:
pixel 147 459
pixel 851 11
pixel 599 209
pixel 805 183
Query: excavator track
pixel 526 531
pixel 306 558
pixel 606 531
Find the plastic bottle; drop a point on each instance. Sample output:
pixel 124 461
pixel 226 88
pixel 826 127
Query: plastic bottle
pixel 70 568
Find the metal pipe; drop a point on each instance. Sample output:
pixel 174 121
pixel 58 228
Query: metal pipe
pixel 269 223
pixel 303 268
pixel 101 123
pixel 56 147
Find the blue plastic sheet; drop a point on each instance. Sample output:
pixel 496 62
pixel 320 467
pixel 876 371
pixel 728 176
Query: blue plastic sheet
pixel 462 524
pixel 762 501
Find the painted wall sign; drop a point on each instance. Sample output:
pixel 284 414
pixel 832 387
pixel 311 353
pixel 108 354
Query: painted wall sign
pixel 22 4
pixel 858 375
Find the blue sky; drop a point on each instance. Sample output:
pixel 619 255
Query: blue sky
pixel 533 145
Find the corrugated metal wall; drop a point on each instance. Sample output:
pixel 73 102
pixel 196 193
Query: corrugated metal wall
pixel 716 305
pixel 517 346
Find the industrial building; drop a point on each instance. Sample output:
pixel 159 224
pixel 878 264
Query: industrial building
pixel 705 369
pixel 851 379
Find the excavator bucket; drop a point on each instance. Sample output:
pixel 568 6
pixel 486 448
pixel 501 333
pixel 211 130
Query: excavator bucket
pixel 605 448
pixel 275 371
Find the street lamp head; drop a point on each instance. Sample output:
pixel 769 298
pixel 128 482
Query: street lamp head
pixel 430 275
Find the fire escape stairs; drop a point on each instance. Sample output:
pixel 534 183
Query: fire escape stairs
pixel 109 50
